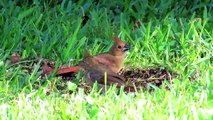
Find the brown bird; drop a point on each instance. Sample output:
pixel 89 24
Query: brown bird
pixel 110 63
pixel 112 60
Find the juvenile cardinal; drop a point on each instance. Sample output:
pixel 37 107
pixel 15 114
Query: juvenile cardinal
pixel 113 60
pixel 110 63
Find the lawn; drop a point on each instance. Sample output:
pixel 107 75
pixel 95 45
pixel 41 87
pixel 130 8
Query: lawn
pixel 176 35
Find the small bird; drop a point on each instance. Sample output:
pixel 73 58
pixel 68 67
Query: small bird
pixel 113 60
pixel 96 67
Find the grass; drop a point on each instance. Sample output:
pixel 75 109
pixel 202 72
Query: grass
pixel 176 35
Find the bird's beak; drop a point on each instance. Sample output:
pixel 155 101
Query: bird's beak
pixel 126 48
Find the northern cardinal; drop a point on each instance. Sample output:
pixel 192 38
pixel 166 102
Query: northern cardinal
pixel 112 60
pixel 110 63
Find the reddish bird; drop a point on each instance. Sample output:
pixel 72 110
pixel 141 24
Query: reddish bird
pixel 110 63
pixel 113 60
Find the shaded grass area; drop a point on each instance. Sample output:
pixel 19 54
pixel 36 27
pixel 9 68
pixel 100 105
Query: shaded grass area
pixel 175 35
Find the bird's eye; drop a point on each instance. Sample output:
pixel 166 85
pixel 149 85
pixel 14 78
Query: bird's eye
pixel 119 47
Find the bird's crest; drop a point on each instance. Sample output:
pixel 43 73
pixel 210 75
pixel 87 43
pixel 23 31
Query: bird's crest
pixel 118 40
